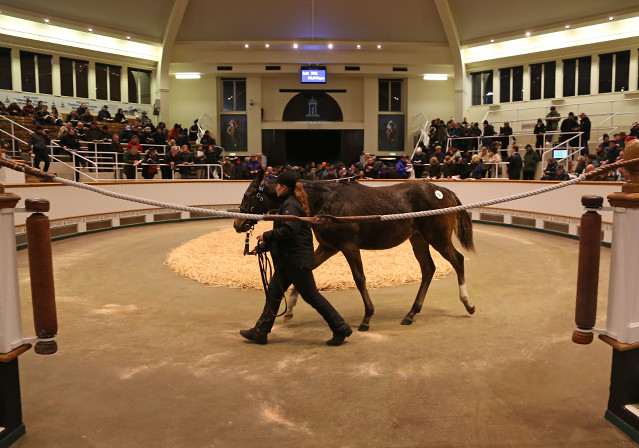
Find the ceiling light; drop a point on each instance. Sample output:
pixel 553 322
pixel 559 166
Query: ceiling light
pixel 379 47
pixel 492 41
pixel 187 76
pixel 267 45
pixel 567 27
pixel 359 47
pixel 46 20
pixel 246 45
pixel 528 34
pixel 611 18
pixel 128 38
pixel 330 46
pixel 435 77
pixel 90 30
pixel 296 46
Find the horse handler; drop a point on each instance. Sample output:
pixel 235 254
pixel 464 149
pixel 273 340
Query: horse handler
pixel 291 244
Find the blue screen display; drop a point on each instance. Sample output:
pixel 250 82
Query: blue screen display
pixel 559 154
pixel 314 75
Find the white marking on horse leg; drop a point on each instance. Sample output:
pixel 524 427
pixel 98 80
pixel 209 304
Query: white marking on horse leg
pixel 463 294
pixel 291 302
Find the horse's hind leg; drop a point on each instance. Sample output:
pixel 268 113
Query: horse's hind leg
pixel 322 253
pixel 422 253
pixel 354 259
pixel 456 259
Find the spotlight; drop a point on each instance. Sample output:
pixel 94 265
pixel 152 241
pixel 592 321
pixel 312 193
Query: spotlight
pixel 330 46
pixel 359 47
pixel 296 46
pixel 567 27
pixel 90 30
pixel 128 38
pixel 246 45
pixel 379 47
pixel 528 34
pixel 46 20
pixel 267 45
pixel 611 18
pixel 492 41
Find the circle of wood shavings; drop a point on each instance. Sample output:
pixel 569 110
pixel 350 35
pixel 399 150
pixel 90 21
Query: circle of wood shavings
pixel 217 259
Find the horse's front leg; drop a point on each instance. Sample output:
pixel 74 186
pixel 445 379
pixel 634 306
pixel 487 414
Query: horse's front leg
pixel 322 253
pixel 422 253
pixel 354 259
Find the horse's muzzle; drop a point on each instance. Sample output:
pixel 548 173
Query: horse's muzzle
pixel 243 225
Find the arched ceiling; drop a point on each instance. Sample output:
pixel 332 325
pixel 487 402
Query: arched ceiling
pixel 380 21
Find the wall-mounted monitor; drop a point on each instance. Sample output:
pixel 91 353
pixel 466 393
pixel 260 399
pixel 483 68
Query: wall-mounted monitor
pixel 313 75
pixel 559 154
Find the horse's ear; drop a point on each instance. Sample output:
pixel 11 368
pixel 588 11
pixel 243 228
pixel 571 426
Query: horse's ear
pixel 259 178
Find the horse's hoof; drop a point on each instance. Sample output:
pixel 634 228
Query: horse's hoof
pixel 407 321
pixel 470 309
pixel 363 327
pixel 288 317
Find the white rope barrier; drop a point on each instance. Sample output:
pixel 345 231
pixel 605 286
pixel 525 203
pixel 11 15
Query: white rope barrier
pixel 256 217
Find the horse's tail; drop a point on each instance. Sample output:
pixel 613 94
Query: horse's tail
pixel 464 228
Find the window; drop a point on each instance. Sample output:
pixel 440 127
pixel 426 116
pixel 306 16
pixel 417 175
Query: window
pixel 234 91
pixel 6 80
pixel 107 82
pixel 481 88
pixel 74 78
pixel 511 84
pixel 576 75
pixel 36 72
pixel 614 71
pixel 542 79
pixel 139 86
pixel 390 95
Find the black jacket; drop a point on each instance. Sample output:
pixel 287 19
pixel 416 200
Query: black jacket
pixel 290 242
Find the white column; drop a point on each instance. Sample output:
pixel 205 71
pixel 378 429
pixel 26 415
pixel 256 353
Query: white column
pixel 15 70
pixel 10 315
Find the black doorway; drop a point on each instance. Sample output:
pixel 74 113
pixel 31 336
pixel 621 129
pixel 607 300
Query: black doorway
pixel 303 146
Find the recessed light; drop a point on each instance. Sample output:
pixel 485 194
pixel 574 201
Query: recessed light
pixel 128 38
pixel 379 47
pixel 246 45
pixel 492 41
pixel 435 77
pixel 528 34
pixel 330 46
pixel 46 20
pixel 611 18
pixel 359 47
pixel 90 30
pixel 187 75
pixel 267 45
pixel 567 27
pixel 296 46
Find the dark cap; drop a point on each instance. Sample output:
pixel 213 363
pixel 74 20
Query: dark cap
pixel 560 167
pixel 288 179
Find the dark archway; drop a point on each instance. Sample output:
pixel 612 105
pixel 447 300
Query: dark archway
pixel 312 106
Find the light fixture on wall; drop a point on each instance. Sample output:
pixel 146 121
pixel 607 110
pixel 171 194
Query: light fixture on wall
pixel 359 47
pixel 611 18
pixel 187 75
pixel 295 46
pixel 567 27
pixel 528 34
pixel 246 45
pixel 330 46
pixel 435 77
pixel 267 45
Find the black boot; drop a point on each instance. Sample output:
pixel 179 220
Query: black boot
pixel 338 337
pixel 255 336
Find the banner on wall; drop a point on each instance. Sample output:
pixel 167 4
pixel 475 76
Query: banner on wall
pixel 391 132
pixel 65 104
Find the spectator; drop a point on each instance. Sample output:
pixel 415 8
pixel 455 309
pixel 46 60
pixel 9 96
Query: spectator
pixel 474 168
pixel 402 169
pixel 419 162
pixel 199 158
pixel 207 139
pixel 43 117
pixel 505 132
pixel 80 131
pixel 134 142
pixel 183 138
pixel 86 117
pixel 144 118
pixel 568 127
pixel 104 114
pixel 485 160
pixel 150 163
pixel 254 167
pixel 539 132
pixel 552 123
pixel 634 131
pixel 186 160
pixel 14 109
pixel 434 169
pixel 613 152
pixel 119 117
pixel 72 117
pixel 146 138
pixel 581 165
pixel 159 136
pixel 28 110
pixel 174 133
pixel 3 109
pixel 82 109
pixel 57 118
pixel 69 141
pixel 126 134
pixel 105 134
pixel 93 134
pixel 494 159
pixel 115 153
pixel 64 129
pixel 460 166
pixel 489 132
pixel 448 169
pixel 601 153
pixel 370 169
pixel 531 159
pixel 560 174
pixel 584 126
pixel 38 145
pixel 193 131
pixel 550 172
pixel 228 171
pixel 591 159
pixel 514 164
pixel 131 159
pixel 171 160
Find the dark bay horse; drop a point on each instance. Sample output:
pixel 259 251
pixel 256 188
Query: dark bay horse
pixel 354 199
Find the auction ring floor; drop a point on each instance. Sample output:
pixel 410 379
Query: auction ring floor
pixel 151 359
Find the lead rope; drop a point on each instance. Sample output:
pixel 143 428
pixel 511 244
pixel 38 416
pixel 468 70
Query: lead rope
pixel 266 270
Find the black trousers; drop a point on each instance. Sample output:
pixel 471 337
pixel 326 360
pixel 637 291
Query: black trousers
pixel 304 282
pixel 41 155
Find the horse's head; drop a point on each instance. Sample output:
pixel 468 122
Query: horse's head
pixel 259 198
